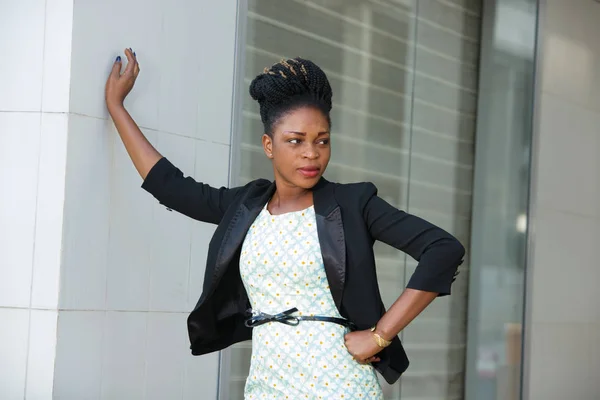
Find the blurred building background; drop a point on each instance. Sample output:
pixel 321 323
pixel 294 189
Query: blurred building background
pixel 482 116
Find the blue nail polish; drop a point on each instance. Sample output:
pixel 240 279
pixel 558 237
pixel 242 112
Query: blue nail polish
pixel 134 54
pixel 118 58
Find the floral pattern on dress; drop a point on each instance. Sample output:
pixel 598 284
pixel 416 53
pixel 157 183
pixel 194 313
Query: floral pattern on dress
pixel 282 267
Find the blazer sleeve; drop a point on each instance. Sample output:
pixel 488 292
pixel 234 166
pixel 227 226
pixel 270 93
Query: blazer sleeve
pixel 183 194
pixel 438 253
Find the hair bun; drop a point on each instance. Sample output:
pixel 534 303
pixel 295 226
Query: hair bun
pixel 288 84
pixel 291 78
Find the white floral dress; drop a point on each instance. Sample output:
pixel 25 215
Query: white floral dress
pixel 281 268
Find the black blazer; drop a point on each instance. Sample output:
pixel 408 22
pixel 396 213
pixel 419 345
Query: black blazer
pixel 350 217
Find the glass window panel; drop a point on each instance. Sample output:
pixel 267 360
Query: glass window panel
pixel 404 75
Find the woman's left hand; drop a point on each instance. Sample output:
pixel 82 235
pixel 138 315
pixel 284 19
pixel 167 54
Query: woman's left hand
pixel 362 346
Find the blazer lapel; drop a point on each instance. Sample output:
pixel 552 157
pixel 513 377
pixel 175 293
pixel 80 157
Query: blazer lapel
pixel 331 238
pixel 330 230
pixel 236 230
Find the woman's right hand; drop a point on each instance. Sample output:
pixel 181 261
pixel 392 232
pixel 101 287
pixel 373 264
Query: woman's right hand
pixel 119 85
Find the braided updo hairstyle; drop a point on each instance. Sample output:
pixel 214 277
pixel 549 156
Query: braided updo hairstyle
pixel 289 85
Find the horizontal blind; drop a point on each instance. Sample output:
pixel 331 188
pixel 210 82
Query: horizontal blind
pixel 404 77
pixel 442 156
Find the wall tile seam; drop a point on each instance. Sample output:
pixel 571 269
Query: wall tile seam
pixel 543 208
pixel 571 100
pixel 35 220
pixel 32 112
pixel 150 129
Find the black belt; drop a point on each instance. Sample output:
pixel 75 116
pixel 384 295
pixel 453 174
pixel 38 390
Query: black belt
pixel 288 319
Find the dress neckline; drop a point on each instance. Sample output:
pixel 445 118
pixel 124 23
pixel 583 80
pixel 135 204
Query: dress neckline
pixel 265 209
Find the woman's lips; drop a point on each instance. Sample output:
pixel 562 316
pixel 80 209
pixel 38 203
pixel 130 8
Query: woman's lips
pixel 309 172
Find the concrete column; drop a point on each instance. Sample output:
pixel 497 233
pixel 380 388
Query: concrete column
pixel 563 326
pixel 96 278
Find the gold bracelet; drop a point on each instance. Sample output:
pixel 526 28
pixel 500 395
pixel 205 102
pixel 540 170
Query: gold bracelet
pixel 381 342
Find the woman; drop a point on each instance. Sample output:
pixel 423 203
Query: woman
pixel 291 263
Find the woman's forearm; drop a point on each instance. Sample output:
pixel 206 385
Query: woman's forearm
pixel 410 304
pixel 142 153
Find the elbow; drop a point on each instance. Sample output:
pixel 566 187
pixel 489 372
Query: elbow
pixel 438 267
pixel 458 250
pixel 457 254
pixel 449 249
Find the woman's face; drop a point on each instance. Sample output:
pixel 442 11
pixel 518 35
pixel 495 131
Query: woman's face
pixel 299 148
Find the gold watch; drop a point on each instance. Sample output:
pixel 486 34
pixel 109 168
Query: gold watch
pixel 381 342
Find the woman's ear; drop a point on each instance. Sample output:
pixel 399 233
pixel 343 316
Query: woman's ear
pixel 267 142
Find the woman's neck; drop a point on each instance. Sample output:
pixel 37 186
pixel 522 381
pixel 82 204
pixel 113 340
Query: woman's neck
pixel 287 199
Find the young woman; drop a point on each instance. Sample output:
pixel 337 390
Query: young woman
pixel 291 263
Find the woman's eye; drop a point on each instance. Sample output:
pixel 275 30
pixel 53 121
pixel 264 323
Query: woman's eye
pixel 298 141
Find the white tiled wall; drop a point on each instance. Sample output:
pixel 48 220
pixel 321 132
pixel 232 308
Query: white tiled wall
pixel 33 140
pixel 13 347
pixel 49 211
pixel 564 315
pixel 133 270
pixel 41 354
pixel 79 349
pixel 57 55
pixel 96 278
pixel 19 155
pixel 22 70
pixel 86 219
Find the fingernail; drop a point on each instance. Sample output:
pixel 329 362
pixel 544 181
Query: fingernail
pixel 134 54
pixel 118 58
